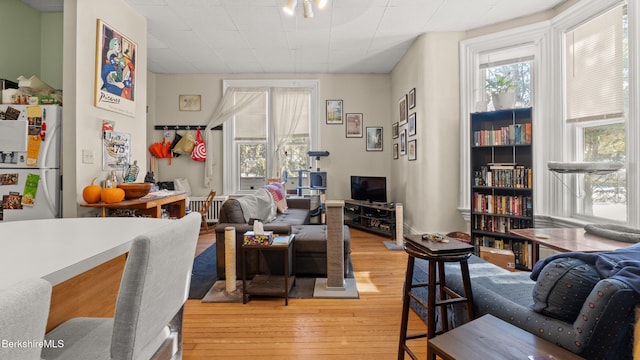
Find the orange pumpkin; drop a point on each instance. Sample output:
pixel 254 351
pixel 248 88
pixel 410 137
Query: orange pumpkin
pixel 91 193
pixel 112 195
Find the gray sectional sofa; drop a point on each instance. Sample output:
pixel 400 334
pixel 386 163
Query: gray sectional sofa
pixel 602 329
pixel 309 241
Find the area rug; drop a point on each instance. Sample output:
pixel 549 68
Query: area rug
pixel 392 245
pixel 219 294
pixel 204 273
pixel 303 289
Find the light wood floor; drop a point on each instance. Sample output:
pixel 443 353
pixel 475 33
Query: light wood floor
pixel 365 328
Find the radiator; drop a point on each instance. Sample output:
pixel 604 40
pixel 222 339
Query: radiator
pixel 196 202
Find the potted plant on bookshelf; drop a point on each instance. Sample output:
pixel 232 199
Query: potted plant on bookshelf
pixel 502 90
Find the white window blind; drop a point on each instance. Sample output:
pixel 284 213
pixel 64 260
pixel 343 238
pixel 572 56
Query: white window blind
pixel 251 123
pixel 594 69
pixel 291 111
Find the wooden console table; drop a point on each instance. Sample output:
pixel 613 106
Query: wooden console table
pixel 567 239
pixel 150 204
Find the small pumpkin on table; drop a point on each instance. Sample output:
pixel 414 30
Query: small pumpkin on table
pixel 92 193
pixel 112 195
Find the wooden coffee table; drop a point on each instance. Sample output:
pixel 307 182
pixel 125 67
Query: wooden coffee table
pixel 491 338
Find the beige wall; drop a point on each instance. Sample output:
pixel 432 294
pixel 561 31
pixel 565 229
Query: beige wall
pixel 82 121
pixel 428 187
pixel 366 94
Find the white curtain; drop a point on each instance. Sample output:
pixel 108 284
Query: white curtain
pixel 234 100
pixel 289 106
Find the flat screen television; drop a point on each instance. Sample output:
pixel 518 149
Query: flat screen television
pixel 369 188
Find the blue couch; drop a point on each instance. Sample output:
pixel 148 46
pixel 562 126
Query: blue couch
pixel 603 328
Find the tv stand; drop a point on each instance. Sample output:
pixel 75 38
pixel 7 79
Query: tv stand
pixel 378 218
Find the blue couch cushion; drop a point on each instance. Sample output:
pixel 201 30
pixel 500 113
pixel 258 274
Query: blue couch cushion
pixel 562 287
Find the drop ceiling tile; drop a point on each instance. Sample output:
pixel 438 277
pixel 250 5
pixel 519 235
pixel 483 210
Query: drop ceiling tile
pixel 256 18
pixel 266 39
pixel 211 67
pixel 232 55
pixel 226 39
pixel 208 18
pixel 248 67
pixel 375 31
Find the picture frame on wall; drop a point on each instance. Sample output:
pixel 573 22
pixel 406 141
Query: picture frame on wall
pixel 115 76
pixel 354 125
pixel 403 142
pixel 374 138
pixel 334 112
pixel 412 124
pixel 394 130
pixel 189 102
pixel 395 151
pixel 411 145
pixel 412 98
pixel 402 110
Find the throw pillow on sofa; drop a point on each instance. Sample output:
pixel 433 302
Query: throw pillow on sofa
pixel 278 194
pixel 562 287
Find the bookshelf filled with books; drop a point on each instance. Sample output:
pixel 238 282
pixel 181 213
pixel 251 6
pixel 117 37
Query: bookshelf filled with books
pixel 502 181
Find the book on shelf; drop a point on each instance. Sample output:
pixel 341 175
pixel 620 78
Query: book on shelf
pixel 514 134
pixel 501 166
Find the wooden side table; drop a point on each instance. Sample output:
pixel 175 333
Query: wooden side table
pixel 491 338
pixel 269 285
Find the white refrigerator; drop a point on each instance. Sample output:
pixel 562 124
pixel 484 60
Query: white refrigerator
pixel 30 150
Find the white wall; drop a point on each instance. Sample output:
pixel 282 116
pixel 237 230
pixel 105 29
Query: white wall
pixel 82 121
pixel 428 187
pixel 361 93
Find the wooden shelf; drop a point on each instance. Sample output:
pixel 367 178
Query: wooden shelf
pixel 372 217
pixel 494 141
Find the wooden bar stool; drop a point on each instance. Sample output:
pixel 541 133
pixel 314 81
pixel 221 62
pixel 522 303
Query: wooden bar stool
pixel 436 254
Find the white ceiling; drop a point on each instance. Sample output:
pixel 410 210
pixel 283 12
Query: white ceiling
pixel 256 36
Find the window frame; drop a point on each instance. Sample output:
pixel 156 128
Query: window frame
pixel 575 143
pixel 549 131
pixel 536 37
pixel 564 207
pixel 231 179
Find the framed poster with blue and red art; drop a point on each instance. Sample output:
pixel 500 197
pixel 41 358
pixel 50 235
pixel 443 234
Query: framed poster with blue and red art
pixel 115 71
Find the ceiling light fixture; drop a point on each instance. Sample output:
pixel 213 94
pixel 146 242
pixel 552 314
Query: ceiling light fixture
pixel 290 8
pixel 308 10
pixel 321 4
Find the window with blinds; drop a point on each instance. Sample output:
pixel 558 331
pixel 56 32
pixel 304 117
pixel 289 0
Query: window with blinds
pixel 267 125
pixel 596 86
pixel 594 68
